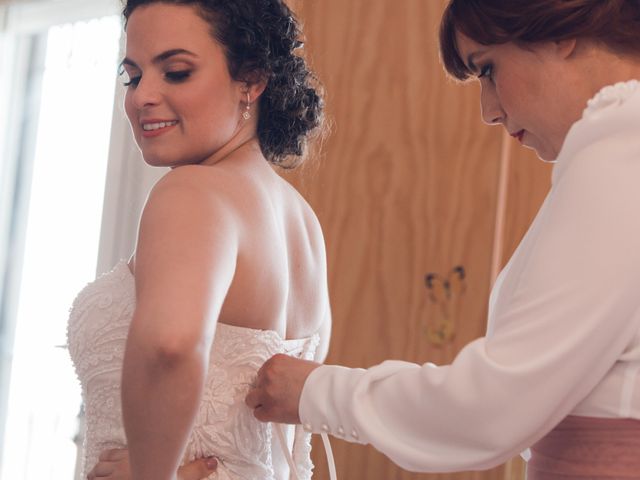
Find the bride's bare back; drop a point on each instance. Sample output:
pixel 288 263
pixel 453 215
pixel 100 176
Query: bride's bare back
pixel 279 279
pixel 281 276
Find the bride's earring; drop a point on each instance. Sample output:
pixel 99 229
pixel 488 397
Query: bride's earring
pixel 247 114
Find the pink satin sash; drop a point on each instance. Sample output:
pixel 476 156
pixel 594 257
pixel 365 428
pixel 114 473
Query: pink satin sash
pixel 588 448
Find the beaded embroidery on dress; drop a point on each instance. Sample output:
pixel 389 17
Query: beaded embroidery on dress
pixel 225 427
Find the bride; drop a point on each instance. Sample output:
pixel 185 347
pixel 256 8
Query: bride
pixel 229 266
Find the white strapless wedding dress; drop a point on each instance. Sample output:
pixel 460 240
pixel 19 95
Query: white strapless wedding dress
pixel 224 427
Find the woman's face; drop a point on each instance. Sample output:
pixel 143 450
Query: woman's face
pixel 527 90
pixel 181 101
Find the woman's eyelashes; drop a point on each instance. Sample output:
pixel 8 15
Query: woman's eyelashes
pixel 132 82
pixel 486 71
pixel 172 77
pixel 178 76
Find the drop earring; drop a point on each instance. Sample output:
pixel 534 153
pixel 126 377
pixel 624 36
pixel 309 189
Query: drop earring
pixel 247 114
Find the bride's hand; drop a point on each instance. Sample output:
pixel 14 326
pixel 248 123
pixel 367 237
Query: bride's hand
pixel 114 465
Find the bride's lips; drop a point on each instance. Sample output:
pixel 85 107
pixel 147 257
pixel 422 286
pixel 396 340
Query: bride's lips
pixel 518 135
pixel 154 127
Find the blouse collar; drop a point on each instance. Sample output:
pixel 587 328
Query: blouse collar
pixel 611 96
pixel 615 109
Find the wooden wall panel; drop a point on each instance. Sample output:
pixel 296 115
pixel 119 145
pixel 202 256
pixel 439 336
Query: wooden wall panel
pixel 407 185
pixel 529 180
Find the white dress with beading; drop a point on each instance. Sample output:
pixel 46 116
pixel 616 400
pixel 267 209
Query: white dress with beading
pixel 225 427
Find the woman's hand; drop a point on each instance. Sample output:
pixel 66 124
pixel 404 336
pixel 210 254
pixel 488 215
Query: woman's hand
pixel 275 396
pixel 114 465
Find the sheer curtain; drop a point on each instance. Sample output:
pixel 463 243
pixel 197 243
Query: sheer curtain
pixel 71 188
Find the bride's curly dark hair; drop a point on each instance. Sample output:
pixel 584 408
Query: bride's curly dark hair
pixel 261 39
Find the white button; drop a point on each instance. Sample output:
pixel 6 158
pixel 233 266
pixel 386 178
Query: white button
pixel 307 427
pixel 341 431
pixel 354 434
pixel 325 427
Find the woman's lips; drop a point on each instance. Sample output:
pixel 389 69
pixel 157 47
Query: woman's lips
pixel 154 128
pixel 518 135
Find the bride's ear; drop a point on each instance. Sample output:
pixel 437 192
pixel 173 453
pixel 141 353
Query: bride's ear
pixel 255 89
pixel 253 84
pixel 566 48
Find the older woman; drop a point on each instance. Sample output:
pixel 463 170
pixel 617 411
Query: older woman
pixel 559 368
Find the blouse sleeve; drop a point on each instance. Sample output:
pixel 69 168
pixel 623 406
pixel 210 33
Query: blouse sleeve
pixel 570 308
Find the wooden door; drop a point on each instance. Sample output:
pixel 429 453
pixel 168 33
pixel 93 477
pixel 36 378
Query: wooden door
pixel 525 183
pixel 408 186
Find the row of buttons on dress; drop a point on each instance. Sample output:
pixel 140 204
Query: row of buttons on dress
pixel 325 428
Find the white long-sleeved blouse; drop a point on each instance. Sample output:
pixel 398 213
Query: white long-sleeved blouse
pixel 563 329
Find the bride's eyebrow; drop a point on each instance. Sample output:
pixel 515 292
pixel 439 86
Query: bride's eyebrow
pixel 159 58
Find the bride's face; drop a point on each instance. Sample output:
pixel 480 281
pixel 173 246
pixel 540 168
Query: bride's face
pixel 181 101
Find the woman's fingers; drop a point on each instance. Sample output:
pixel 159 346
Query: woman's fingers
pixel 114 455
pixel 198 469
pixel 112 465
pixel 103 470
pixel 276 391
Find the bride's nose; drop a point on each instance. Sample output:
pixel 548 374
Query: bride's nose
pixel 147 93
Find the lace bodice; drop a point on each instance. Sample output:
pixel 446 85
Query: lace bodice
pixel 224 427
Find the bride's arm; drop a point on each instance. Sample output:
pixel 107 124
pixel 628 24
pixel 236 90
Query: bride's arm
pixel 185 261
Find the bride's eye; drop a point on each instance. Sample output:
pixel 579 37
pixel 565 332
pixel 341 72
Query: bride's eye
pixel 132 81
pixel 129 79
pixel 178 76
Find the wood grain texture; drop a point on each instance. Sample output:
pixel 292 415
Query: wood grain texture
pixel 529 180
pixel 407 185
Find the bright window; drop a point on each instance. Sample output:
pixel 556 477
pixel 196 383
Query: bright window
pixel 64 214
